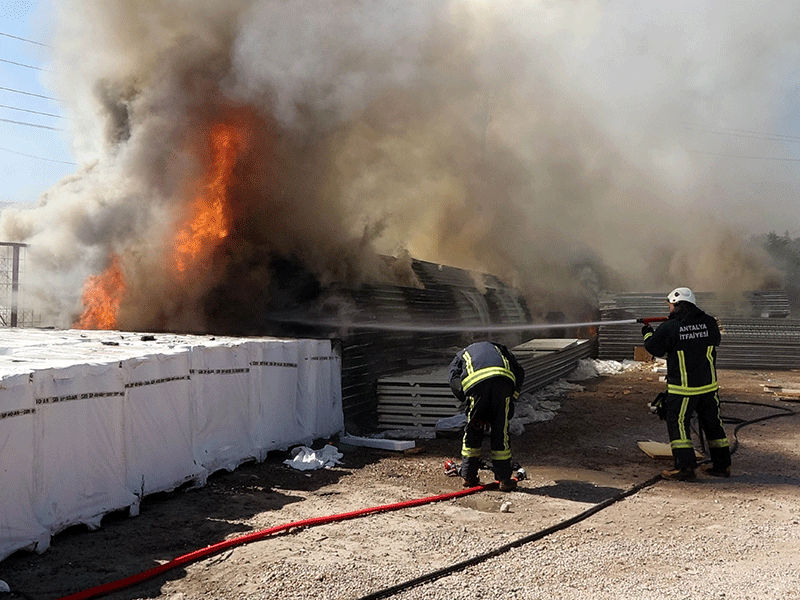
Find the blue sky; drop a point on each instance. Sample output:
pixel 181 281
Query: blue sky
pixel 35 150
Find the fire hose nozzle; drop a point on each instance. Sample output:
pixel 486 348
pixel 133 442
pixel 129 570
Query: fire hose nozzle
pixel 648 320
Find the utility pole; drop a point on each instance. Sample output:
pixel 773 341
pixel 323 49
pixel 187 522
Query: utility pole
pixel 15 259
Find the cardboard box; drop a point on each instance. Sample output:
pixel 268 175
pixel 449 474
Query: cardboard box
pixel 641 355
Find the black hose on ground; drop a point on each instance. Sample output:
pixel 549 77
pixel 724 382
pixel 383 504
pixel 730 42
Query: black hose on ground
pixel 433 576
pixel 788 412
pixel 396 589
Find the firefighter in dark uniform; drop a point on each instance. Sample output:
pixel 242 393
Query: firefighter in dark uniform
pixel 689 339
pixel 488 378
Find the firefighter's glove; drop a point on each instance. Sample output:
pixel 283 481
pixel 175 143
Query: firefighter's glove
pixel 646 329
pixel 657 406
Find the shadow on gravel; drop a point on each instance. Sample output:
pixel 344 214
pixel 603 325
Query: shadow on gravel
pixel 576 491
pixel 169 525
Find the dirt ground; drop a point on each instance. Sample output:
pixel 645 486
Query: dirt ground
pixel 712 538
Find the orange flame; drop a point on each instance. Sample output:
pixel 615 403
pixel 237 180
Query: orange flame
pixel 194 243
pixel 210 221
pixel 101 298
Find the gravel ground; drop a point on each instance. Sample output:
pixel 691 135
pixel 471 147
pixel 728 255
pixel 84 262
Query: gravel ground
pixel 735 538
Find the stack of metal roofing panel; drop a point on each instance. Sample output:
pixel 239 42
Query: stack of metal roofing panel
pixel 759 344
pixel 417 398
pixel 761 303
pixel 421 397
pixel 444 299
pixel 756 330
pixel 546 361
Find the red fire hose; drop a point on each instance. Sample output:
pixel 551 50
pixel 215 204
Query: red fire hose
pixel 120 584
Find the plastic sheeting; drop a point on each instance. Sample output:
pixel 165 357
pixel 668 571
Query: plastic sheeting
pixel 19 526
pixel 91 422
pixel 159 437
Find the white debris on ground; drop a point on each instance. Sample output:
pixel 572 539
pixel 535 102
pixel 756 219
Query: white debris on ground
pixel 590 368
pixel 306 459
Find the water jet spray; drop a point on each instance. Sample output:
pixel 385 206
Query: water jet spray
pixel 416 326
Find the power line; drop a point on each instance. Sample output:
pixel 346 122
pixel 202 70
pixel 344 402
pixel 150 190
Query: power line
pixel 11 62
pixel 22 39
pixel 27 110
pixel 775 137
pixel 30 124
pixel 780 135
pixel 777 158
pixel 29 94
pixel 63 162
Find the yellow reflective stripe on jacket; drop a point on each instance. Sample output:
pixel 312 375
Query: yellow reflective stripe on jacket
pixel 467 362
pixel 682 368
pixel 712 368
pixel 680 390
pixel 482 374
pixel 684 389
pixel 474 377
pixel 648 335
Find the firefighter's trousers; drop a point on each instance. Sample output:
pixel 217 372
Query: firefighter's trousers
pixel 679 410
pixel 489 405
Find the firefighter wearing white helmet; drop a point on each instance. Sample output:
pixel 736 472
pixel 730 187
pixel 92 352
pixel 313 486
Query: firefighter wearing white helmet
pixel 689 339
pixel 681 294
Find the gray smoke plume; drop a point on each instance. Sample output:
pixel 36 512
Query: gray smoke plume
pixel 517 138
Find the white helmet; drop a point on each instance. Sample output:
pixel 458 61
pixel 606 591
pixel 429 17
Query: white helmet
pixel 681 294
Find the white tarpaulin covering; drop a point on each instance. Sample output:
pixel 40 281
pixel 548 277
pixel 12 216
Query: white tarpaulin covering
pixel 80 471
pixel 220 390
pixel 91 422
pixel 158 439
pixel 276 391
pixel 18 524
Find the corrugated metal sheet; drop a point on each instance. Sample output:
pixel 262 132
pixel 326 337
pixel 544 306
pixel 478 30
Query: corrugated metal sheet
pixel 756 330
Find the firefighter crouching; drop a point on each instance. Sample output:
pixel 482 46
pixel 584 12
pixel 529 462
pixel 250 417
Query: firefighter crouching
pixel 488 378
pixel 689 339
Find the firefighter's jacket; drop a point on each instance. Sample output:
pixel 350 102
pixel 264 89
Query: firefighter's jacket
pixel 689 338
pixel 480 361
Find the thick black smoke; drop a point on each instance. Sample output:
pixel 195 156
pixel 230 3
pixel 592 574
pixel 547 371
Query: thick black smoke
pixel 517 138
